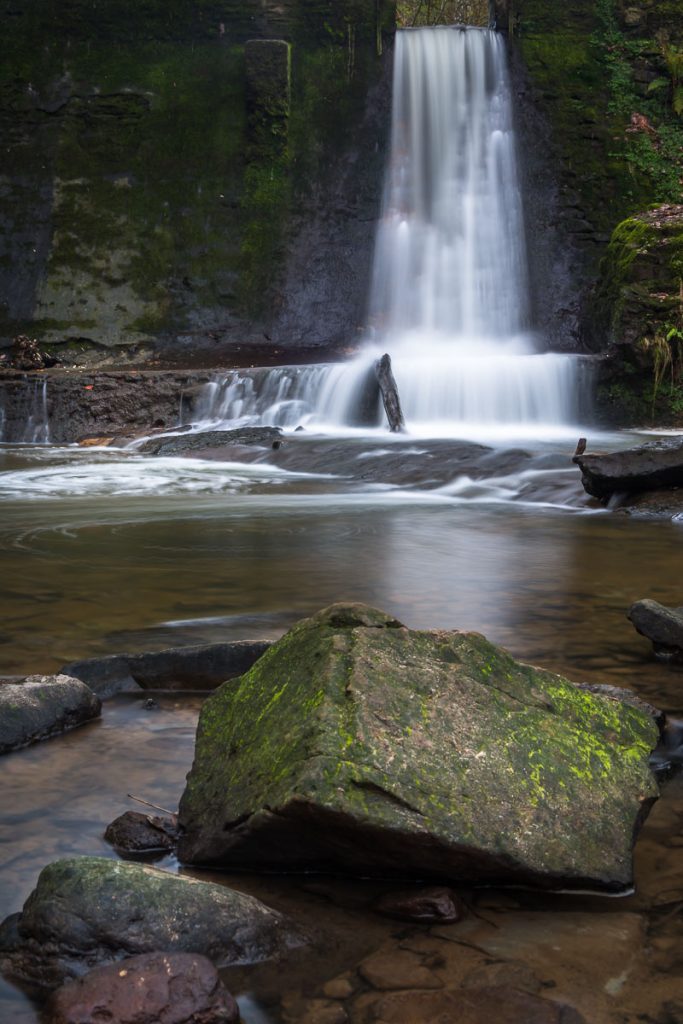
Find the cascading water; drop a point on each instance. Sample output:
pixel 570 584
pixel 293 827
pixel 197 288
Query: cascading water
pixel 450 297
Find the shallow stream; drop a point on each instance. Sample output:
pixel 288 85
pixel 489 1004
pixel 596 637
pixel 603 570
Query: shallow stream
pixel 104 552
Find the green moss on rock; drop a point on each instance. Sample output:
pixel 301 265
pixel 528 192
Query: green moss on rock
pixel 638 307
pixel 356 743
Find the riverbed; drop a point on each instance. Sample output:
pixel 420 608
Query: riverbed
pixel 104 552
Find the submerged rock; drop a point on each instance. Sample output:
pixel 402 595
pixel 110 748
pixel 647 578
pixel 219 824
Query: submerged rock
pixel 649 467
pixel 86 911
pixel 43 706
pixel 356 744
pixel 662 625
pixel 153 988
pixel 433 905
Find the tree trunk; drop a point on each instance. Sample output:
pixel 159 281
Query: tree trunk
pixel 392 403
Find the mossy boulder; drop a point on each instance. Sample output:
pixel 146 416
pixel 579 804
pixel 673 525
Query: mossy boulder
pixel 359 745
pixel 87 911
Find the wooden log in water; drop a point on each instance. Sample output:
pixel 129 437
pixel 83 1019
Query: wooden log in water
pixel 389 390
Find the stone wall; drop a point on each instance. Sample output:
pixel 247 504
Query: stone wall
pixel 141 204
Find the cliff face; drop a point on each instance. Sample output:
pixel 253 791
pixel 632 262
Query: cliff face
pixel 152 188
pixel 600 105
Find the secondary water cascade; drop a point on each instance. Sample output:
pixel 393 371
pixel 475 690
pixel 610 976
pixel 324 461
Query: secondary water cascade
pixel 449 297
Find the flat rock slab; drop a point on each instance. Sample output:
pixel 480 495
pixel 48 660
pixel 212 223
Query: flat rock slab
pixel 662 625
pixel 86 911
pixel 43 706
pixel 153 988
pixel 197 667
pixel 356 744
pixel 650 467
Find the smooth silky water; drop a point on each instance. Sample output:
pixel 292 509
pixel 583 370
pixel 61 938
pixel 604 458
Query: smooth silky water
pixel 106 551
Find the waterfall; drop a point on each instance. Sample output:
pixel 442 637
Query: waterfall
pixel 449 297
pixel 37 429
pixel 450 294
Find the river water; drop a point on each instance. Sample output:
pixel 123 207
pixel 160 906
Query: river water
pixel 104 551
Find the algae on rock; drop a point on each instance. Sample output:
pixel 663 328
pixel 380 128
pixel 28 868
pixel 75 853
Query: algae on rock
pixel 357 744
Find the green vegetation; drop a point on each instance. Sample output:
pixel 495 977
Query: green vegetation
pixel 413 13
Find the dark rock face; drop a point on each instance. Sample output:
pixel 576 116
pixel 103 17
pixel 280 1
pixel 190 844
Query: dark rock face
pixel 154 988
pixel 200 667
pixel 369 747
pixel 99 404
pixel 87 911
pixel 663 626
pixel 647 468
pixel 134 832
pixel 43 706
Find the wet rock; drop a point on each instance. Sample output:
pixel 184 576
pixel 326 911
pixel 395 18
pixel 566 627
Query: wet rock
pixel 104 676
pixel 178 445
pixel 87 911
pixel 436 905
pixel 154 988
pixel 371 748
pixel 43 706
pixel 134 832
pixel 472 1006
pixel 198 667
pixel 397 969
pixel 662 625
pixel 650 467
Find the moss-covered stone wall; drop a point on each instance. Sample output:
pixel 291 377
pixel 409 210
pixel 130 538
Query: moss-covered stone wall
pixel 600 103
pixel 134 205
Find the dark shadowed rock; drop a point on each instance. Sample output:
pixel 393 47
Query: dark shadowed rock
pixel 134 832
pixel 434 905
pixel 198 667
pixel 153 988
pixel 87 911
pixel 43 706
pixel 650 467
pixel 357 744
pixel 662 625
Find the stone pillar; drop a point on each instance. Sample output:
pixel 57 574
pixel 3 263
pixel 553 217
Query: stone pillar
pixel 268 76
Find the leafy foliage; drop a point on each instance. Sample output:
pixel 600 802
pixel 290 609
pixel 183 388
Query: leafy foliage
pixel 413 13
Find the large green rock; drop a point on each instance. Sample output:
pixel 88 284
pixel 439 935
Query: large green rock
pixel 357 744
